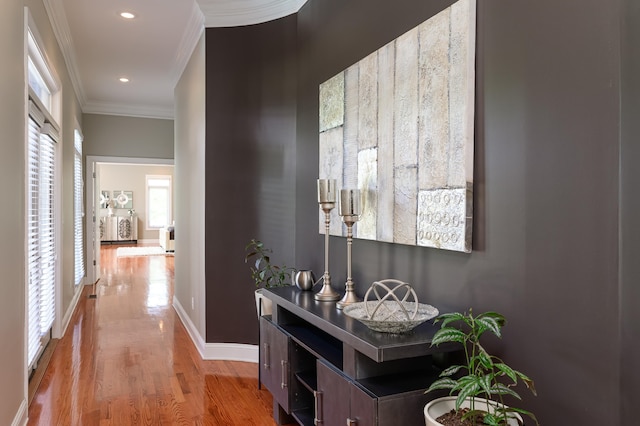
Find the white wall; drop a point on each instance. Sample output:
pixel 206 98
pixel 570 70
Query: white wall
pixel 189 194
pixel 132 177
pixel 12 173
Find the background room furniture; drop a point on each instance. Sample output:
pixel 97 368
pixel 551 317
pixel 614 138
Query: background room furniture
pixel 115 229
pixel 166 238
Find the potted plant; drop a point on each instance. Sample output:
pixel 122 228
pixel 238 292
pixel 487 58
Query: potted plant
pixel 264 273
pixel 481 383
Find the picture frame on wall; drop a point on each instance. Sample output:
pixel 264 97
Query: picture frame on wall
pixel 123 199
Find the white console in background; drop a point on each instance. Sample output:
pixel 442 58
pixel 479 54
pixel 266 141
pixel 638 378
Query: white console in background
pixel 119 228
pixel 166 239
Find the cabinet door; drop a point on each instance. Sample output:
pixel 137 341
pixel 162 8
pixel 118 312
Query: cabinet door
pixel 124 229
pixel 112 228
pixel 332 396
pixel 274 362
pixel 364 407
pixel 134 227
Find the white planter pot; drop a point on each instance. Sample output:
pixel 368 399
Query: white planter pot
pixel 440 406
pixel 264 302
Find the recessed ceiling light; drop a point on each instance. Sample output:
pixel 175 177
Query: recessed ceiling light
pixel 127 15
pixel 124 79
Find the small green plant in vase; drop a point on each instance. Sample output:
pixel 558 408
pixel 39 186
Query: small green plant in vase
pixel 480 384
pixel 264 273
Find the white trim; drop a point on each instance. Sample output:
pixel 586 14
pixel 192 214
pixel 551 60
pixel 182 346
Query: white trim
pixel 70 310
pixel 231 352
pixel 228 13
pixel 188 43
pixel 215 351
pixel 57 17
pixel 56 329
pixel 20 419
pixel 192 331
pixel 149 241
pixel 127 110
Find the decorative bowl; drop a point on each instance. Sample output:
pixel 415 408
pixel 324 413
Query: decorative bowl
pixel 396 322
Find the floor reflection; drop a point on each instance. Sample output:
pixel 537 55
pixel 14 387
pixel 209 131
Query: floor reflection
pixel 126 359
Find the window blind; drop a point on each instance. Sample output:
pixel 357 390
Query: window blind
pixel 79 267
pixel 41 159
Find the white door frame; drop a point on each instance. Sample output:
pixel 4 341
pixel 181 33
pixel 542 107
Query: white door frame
pixel 92 220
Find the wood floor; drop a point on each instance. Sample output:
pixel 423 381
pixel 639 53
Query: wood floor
pixel 126 359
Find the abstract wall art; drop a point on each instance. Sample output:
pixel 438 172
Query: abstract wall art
pixel 399 126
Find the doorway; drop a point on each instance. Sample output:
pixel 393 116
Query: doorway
pixel 120 178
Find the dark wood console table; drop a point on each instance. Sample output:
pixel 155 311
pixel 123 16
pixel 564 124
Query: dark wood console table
pixel 325 368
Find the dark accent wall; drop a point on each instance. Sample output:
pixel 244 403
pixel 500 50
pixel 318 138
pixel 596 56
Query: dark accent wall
pixel 555 193
pixel 250 165
pixel 630 212
pixel 546 187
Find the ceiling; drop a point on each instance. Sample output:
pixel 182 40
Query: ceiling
pixel 150 50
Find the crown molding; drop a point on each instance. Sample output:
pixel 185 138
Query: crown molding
pixel 227 13
pixel 60 26
pixel 188 43
pixel 143 111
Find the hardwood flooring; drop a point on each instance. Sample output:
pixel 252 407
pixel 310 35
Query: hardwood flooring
pixel 126 359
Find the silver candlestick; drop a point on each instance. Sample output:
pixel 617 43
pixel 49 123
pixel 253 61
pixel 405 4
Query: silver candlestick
pixel 350 210
pixel 327 201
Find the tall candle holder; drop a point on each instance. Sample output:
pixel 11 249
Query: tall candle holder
pixel 350 210
pixel 327 201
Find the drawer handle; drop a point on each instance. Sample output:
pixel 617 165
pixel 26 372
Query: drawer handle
pixel 283 374
pixel 317 395
pixel 267 357
pixel 351 422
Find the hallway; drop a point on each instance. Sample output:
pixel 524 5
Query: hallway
pixel 126 359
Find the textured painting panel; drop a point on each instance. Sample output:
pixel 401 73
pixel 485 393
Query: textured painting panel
pixel 367 182
pixel 351 136
pixel 442 219
pixel 406 123
pixel 434 74
pixel 332 103
pixel 368 112
pixel 405 214
pixel 331 162
pixel 386 69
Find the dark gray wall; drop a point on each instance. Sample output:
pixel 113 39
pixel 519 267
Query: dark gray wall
pixel 250 165
pixel 630 211
pixel 555 246
pixel 546 187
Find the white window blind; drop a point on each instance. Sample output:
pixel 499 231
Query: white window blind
pixel 78 186
pixel 40 230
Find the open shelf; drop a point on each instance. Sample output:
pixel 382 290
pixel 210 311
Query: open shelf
pixel 317 342
pixel 309 380
pixel 391 384
pixel 303 417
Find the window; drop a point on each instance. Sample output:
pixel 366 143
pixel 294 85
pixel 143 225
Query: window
pixel 41 198
pixel 41 244
pixel 78 213
pixel 158 201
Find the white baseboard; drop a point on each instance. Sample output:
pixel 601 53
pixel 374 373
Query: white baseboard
pixel 149 241
pixel 215 351
pixel 21 416
pixel 72 307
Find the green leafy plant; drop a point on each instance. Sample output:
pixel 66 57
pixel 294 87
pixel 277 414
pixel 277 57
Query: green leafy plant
pixel 263 272
pixel 483 375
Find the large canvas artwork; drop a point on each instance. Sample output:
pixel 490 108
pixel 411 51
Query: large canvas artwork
pixel 398 125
